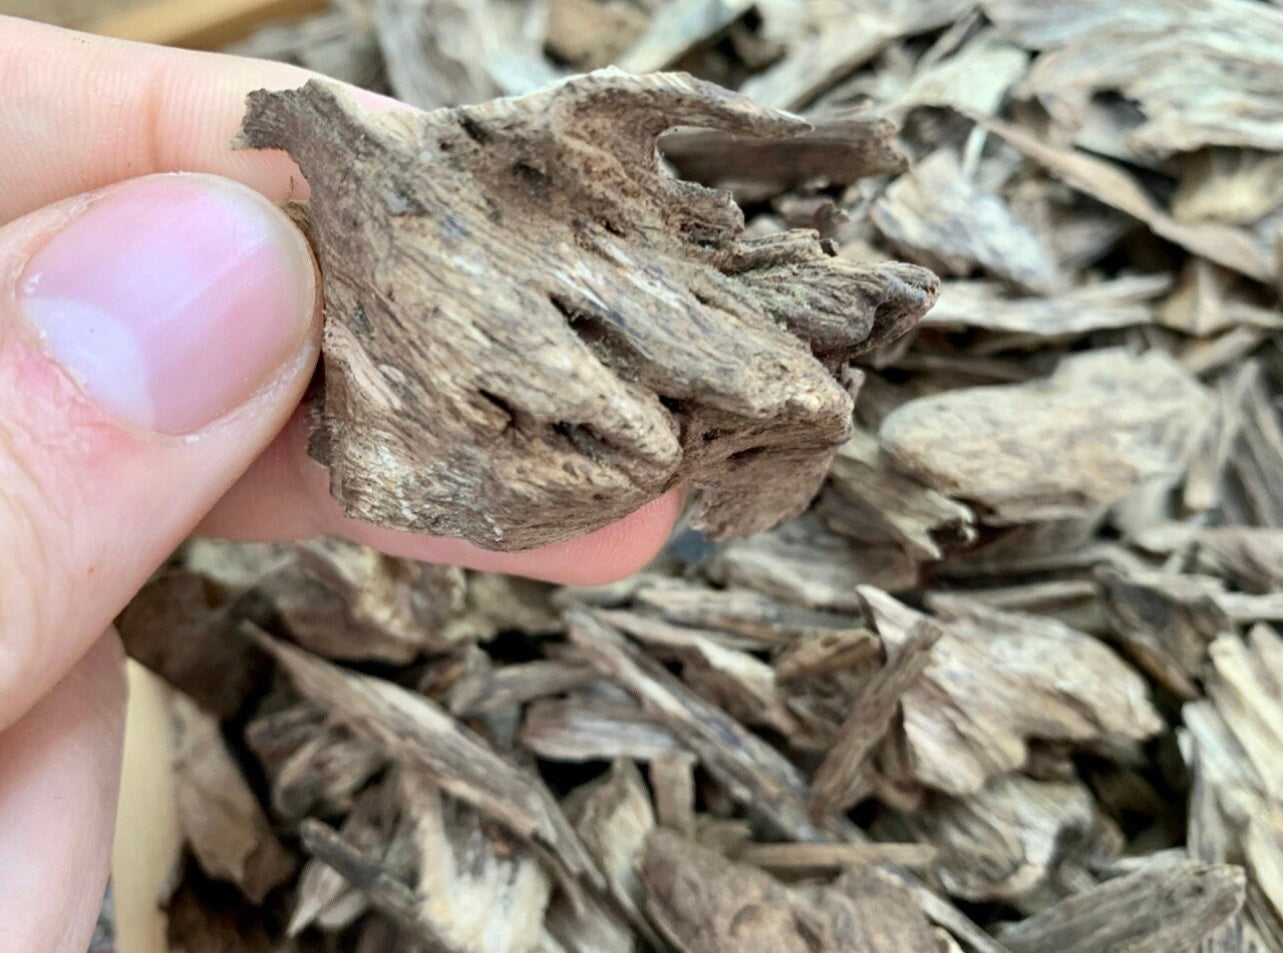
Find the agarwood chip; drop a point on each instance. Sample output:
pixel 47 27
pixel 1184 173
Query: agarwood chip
pixel 907 638
pixel 1009 839
pixel 760 778
pixel 585 727
pixel 531 329
pixel 876 504
pixel 219 816
pixel 1207 72
pixel 937 216
pixel 417 733
pixel 1167 906
pixel 346 601
pixel 997 680
pixel 706 904
pixel 1059 447
pixel 614 817
pixel 804 563
pixel 313 767
pixel 1234 749
pixel 841 148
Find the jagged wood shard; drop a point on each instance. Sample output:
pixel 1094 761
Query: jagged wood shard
pixel 532 329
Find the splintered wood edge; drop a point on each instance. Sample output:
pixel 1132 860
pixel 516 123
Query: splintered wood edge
pixel 619 338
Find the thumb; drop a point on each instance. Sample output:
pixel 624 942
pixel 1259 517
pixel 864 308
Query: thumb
pixel 154 337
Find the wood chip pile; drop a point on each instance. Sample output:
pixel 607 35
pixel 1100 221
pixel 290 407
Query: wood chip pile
pixel 1013 683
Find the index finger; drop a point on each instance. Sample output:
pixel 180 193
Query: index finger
pixel 80 113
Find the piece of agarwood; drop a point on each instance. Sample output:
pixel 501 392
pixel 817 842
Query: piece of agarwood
pixel 1009 839
pixel 907 638
pixel 219 816
pixel 869 500
pixel 1062 446
pixel 478 889
pixel 1235 749
pixel 313 767
pixel 1167 906
pixel 494 688
pixel 1196 74
pixel 324 896
pixel 183 626
pixel 1252 556
pixel 815 858
pixel 939 218
pixel 805 563
pixel 996 680
pixel 760 778
pixel 704 903
pixel 531 329
pixel 589 727
pixel 841 148
pixel 1165 622
pixel 613 817
pixel 417 733
pixel 1238 249
pixel 346 601
pixel 672 782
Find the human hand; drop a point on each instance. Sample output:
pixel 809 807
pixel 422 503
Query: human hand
pixel 156 335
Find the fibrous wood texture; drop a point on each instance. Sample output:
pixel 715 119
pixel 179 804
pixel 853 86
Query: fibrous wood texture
pixel 1009 685
pixel 532 329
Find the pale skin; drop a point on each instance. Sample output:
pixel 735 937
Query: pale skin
pixel 90 507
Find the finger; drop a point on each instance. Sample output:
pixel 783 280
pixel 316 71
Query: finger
pixel 82 112
pixel 154 338
pixel 285 495
pixel 108 110
pixel 59 777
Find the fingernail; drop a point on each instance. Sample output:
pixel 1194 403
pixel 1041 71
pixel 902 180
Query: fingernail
pixel 172 299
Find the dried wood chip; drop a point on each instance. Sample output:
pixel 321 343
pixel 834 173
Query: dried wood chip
pixel 907 638
pixel 1233 745
pixel 1235 186
pixel 1165 623
pixel 840 149
pixel 672 781
pixel 813 858
pixel 704 903
pixel 449 52
pixel 346 601
pixel 313 767
pixel 566 382
pixel 997 680
pixel 1083 438
pixel 589 34
pixel 1167 906
pixel 1121 303
pixel 217 812
pixel 676 27
pixel 324 896
pixel 939 218
pixel 804 563
pixel 879 504
pixel 1205 72
pixel 613 817
pixel 419 734
pixel 1252 556
pixel 183 626
pixel 745 612
pixel 762 780
pixel 466 867
pixel 1013 837
pixel 591 728
pixel 1235 248
pixel 494 688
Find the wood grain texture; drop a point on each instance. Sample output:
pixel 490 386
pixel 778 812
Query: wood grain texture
pixel 531 329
